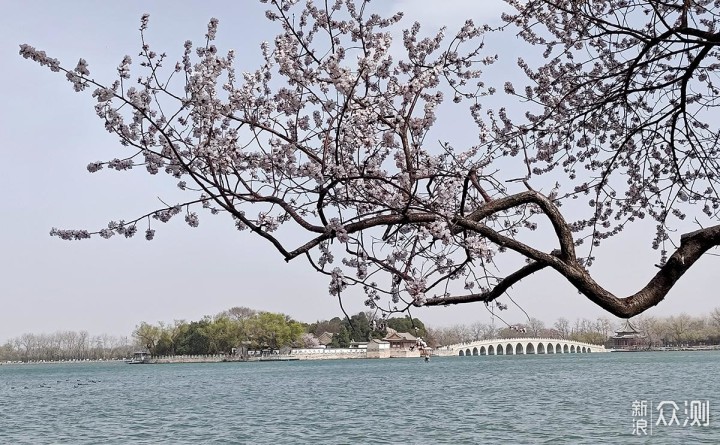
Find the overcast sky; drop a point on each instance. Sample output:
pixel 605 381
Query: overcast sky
pixel 49 134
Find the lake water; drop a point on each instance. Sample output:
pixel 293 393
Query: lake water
pixel 551 399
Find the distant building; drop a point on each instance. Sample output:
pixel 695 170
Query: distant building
pixel 325 338
pixel 628 338
pixel 401 340
pixel 358 344
pixel 378 349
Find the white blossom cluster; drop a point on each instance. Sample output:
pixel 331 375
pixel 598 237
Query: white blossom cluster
pixel 627 93
pixel 333 134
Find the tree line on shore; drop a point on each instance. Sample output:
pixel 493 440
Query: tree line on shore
pixel 242 327
pixel 66 345
pixel 675 330
pixel 583 330
pixel 245 328
pixel 231 329
pixel 364 326
pixel 680 330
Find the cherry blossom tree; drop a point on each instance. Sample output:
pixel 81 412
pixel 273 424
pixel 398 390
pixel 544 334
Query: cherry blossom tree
pixel 330 151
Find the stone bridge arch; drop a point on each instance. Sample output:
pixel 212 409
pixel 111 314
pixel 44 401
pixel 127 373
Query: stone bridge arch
pixel 523 346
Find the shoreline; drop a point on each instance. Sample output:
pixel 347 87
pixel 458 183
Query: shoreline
pixel 290 357
pixel 671 349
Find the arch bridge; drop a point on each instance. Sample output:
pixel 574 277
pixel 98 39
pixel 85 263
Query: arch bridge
pixel 516 346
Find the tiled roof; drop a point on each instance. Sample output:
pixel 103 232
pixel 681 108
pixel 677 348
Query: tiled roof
pixel 375 340
pixel 400 336
pixel 628 328
pixel 628 335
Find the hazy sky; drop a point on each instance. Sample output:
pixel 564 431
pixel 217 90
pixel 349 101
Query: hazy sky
pixel 49 134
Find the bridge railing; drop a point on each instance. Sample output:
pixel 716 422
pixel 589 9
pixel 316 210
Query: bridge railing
pixel 522 340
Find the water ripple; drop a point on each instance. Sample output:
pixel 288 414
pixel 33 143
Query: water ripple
pixel 551 399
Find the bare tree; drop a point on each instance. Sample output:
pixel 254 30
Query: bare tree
pixel 239 313
pixel 333 136
pixel 26 343
pixel 563 327
pixel 453 335
pixel 82 344
pixel 604 326
pixel 652 328
pixel 477 330
pixel 535 327
pixel 679 327
pixel 715 317
pixel 63 346
pixel 489 331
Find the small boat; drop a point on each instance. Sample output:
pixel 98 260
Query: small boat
pixel 139 358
